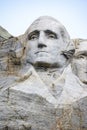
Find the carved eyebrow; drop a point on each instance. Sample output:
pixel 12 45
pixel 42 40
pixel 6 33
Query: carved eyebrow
pixel 32 33
pixel 50 32
pixel 81 53
pixel 37 32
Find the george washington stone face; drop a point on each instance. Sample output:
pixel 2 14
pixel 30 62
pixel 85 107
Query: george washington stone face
pixel 46 39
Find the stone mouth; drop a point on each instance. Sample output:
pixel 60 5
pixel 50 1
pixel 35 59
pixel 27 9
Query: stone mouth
pixel 40 52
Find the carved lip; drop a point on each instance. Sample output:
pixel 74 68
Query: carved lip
pixel 40 52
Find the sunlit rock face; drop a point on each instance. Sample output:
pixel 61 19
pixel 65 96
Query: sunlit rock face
pixel 43 81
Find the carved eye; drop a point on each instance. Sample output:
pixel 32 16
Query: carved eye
pixel 52 36
pixel 33 37
pixel 81 57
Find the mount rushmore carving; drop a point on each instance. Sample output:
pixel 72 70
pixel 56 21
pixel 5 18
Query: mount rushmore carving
pixel 43 79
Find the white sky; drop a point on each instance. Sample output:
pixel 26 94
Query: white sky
pixel 17 15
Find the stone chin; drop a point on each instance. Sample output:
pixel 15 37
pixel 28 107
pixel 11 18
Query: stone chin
pixel 42 62
pixel 45 63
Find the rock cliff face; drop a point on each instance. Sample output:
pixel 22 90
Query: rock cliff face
pixel 4 34
pixel 26 103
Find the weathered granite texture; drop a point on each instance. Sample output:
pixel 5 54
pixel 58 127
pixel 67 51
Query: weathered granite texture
pixel 43 79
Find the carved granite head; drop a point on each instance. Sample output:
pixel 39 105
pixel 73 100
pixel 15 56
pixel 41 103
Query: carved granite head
pixel 79 62
pixel 47 40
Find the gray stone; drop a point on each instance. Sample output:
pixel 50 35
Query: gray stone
pixel 4 34
pixel 43 81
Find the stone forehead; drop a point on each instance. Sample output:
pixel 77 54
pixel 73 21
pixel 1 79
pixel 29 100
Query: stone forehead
pixel 81 46
pixel 46 19
pixel 45 22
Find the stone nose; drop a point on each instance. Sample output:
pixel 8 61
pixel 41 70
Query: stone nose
pixel 42 40
pixel 40 45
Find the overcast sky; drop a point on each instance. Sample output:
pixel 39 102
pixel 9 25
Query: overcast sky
pixel 17 15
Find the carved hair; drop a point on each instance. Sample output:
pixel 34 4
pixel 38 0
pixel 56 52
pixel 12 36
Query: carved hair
pixel 78 41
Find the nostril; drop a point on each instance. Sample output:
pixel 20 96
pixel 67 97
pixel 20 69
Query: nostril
pixel 41 45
